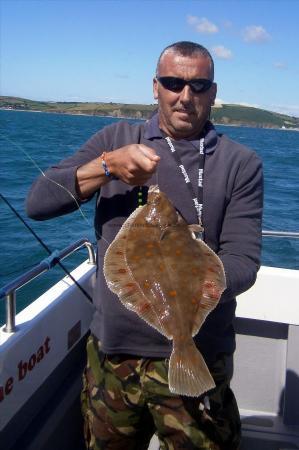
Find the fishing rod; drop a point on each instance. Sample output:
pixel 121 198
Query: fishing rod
pixel 52 255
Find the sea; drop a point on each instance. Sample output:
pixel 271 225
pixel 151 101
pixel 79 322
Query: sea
pixel 30 142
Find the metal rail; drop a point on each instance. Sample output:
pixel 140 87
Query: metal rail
pixel 9 290
pixel 283 234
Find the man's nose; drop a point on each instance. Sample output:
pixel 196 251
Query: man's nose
pixel 186 94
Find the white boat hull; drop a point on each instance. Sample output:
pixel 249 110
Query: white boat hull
pixel 52 329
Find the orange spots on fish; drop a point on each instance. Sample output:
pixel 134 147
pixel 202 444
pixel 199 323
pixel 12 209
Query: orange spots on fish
pixel 211 291
pixel 122 271
pixel 144 307
pixel 178 252
pixel 150 245
pixel 194 301
pixel 130 285
pixel 119 253
pixel 194 271
pixel 211 269
pixel 215 294
pixel 172 293
pixel 161 267
pixel 148 254
pixel 146 285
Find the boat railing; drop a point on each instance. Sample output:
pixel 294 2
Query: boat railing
pixel 282 234
pixel 9 290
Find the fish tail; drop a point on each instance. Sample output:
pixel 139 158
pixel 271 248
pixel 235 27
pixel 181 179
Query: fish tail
pixel 188 373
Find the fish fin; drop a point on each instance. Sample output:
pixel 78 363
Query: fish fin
pixel 188 373
pixel 115 266
pixel 206 305
pixel 121 281
pixel 213 284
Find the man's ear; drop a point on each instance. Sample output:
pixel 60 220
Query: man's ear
pixel 155 88
pixel 213 93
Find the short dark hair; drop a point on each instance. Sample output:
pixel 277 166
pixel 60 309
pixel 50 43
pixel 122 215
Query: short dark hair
pixel 187 48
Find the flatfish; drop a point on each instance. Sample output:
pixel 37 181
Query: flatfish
pixel 170 279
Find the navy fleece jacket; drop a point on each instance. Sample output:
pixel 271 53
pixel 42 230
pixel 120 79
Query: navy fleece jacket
pixel 232 214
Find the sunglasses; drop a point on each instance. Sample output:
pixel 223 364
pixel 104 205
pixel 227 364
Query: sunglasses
pixel 175 84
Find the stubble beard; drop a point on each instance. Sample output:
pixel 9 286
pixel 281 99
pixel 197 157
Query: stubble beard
pixel 179 128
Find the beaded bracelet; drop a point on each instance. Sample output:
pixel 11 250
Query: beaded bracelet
pixel 105 167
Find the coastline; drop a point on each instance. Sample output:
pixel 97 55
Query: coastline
pixel 70 114
pixel 142 118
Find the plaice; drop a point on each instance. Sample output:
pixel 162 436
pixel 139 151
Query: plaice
pixel 171 280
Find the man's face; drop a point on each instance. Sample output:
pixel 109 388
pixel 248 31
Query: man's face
pixel 183 114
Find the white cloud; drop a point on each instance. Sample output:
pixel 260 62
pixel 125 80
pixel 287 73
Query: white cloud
pixel 280 65
pixel 256 33
pixel 192 20
pixel 221 52
pixel 202 25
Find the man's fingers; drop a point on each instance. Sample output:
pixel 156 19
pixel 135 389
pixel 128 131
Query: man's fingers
pixel 134 163
pixel 149 153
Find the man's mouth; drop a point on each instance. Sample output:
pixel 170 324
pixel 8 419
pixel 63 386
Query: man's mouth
pixel 184 111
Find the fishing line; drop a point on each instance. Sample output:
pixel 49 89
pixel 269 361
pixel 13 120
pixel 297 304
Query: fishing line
pixel 43 173
pixel 44 245
pixel 98 236
pixel 157 176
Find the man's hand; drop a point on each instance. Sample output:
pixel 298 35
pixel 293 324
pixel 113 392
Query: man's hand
pixel 134 164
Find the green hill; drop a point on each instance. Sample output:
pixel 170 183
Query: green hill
pixel 245 115
pixel 225 114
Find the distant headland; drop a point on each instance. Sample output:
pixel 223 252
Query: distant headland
pixel 224 114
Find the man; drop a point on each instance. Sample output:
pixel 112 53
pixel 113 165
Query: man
pixel 126 396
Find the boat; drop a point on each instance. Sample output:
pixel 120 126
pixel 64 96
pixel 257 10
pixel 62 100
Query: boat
pixel 42 356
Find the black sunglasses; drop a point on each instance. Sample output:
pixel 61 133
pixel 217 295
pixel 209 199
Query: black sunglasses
pixel 175 84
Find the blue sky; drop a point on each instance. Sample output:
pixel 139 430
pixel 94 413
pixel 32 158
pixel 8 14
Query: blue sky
pixel 106 50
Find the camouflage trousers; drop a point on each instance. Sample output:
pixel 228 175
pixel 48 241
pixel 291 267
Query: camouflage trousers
pixel 126 399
